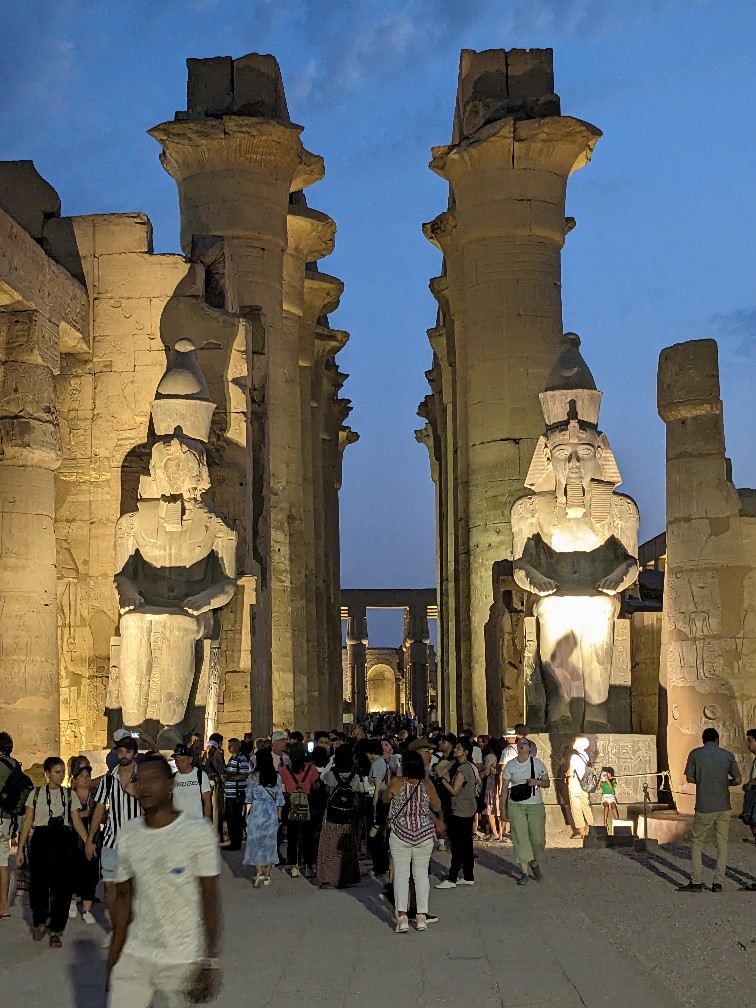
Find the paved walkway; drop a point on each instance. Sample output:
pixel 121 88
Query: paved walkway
pixel 497 945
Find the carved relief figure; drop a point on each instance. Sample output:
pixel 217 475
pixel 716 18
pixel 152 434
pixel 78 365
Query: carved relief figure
pixel 175 555
pixel 575 546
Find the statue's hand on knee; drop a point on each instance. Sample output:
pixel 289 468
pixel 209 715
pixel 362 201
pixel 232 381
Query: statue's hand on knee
pixel 129 599
pixel 528 577
pixel 618 579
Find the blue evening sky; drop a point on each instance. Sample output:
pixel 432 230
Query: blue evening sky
pixel 666 212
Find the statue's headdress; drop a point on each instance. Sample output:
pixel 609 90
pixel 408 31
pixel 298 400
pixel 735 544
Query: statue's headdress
pixel 182 400
pixel 570 403
pixel 570 392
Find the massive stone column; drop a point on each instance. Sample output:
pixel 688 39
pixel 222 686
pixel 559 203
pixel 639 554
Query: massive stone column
pixel 416 639
pixel 236 157
pixel 311 236
pixel 357 641
pixel 43 311
pixel 29 455
pixel 709 623
pixel 507 168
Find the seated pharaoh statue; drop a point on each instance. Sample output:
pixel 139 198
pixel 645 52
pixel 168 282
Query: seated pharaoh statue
pixel 575 542
pixel 175 555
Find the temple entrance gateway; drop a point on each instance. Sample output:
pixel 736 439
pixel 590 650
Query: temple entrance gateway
pixel 368 672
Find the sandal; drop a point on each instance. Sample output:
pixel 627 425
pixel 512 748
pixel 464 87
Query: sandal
pixel 39 932
pixel 55 941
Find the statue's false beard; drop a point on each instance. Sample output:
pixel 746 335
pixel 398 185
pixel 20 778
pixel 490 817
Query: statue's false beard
pixel 574 493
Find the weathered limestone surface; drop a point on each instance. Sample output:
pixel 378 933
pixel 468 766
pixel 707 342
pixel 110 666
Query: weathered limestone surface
pixel 497 333
pixel 87 315
pixel 41 309
pixel 240 167
pixel 175 567
pixel 633 757
pixel 709 628
pixel 575 548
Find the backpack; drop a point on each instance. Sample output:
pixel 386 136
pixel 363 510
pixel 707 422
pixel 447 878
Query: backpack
pixel 342 804
pixel 15 790
pixel 299 803
pixel 590 779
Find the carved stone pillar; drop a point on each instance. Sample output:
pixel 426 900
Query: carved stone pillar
pixel 234 173
pixel 416 639
pixel 30 452
pixel 507 168
pixel 357 641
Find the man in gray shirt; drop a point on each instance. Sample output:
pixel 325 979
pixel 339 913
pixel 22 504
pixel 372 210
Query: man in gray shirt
pixel 714 771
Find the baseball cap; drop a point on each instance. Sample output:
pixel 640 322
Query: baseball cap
pixel 182 750
pixel 120 733
pixel 418 744
pixel 278 736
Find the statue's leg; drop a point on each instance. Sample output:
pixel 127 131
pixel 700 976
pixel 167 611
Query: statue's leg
pixel 558 649
pixel 175 665
pixel 135 666
pixel 597 644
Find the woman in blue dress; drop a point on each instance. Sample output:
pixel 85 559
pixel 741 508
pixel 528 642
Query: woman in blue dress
pixel 265 799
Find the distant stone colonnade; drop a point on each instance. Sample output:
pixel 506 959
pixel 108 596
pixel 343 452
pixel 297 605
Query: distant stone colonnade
pixel 366 685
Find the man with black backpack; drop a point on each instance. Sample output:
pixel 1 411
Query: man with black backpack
pixel 15 788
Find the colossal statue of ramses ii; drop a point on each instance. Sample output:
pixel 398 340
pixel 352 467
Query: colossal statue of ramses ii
pixel 575 542
pixel 175 555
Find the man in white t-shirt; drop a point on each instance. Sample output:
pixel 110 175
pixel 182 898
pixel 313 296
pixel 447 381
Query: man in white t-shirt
pixel 166 922
pixel 192 792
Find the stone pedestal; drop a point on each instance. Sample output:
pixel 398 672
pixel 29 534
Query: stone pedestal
pixel 628 754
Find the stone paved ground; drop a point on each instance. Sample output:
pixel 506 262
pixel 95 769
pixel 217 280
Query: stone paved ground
pixel 604 930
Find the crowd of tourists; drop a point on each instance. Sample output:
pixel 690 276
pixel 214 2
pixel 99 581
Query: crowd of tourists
pixel 332 806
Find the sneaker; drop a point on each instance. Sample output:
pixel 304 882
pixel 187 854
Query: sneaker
pixel 716 887
pixel 690 887
pixel 431 919
pixel 536 869
pixel 402 925
pixel 295 873
pixel 523 880
pixel 464 881
pixel 88 917
pixel 421 924
pixel 266 880
pixel 73 911
pixel 446 884
pixel 257 881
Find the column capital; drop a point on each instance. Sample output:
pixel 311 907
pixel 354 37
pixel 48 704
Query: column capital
pixel 311 234
pixel 558 144
pixel 440 232
pixel 237 143
pixel 322 293
pixel 328 342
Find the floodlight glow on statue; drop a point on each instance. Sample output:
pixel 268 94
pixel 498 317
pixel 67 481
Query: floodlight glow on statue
pixel 175 555
pixel 575 543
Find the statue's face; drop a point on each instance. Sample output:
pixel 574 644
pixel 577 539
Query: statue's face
pixel 575 462
pixel 179 469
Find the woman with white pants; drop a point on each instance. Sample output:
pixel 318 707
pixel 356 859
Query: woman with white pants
pixel 411 837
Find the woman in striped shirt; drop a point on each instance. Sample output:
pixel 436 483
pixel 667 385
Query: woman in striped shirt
pixel 412 798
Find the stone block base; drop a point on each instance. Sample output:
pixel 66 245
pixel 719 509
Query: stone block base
pixel 628 754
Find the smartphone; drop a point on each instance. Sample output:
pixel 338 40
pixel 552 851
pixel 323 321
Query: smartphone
pixel 135 734
pixel 310 746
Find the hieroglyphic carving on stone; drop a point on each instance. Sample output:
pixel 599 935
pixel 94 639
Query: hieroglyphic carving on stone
pixel 621 670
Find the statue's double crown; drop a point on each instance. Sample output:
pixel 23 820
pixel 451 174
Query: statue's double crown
pixel 570 392
pixel 182 401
